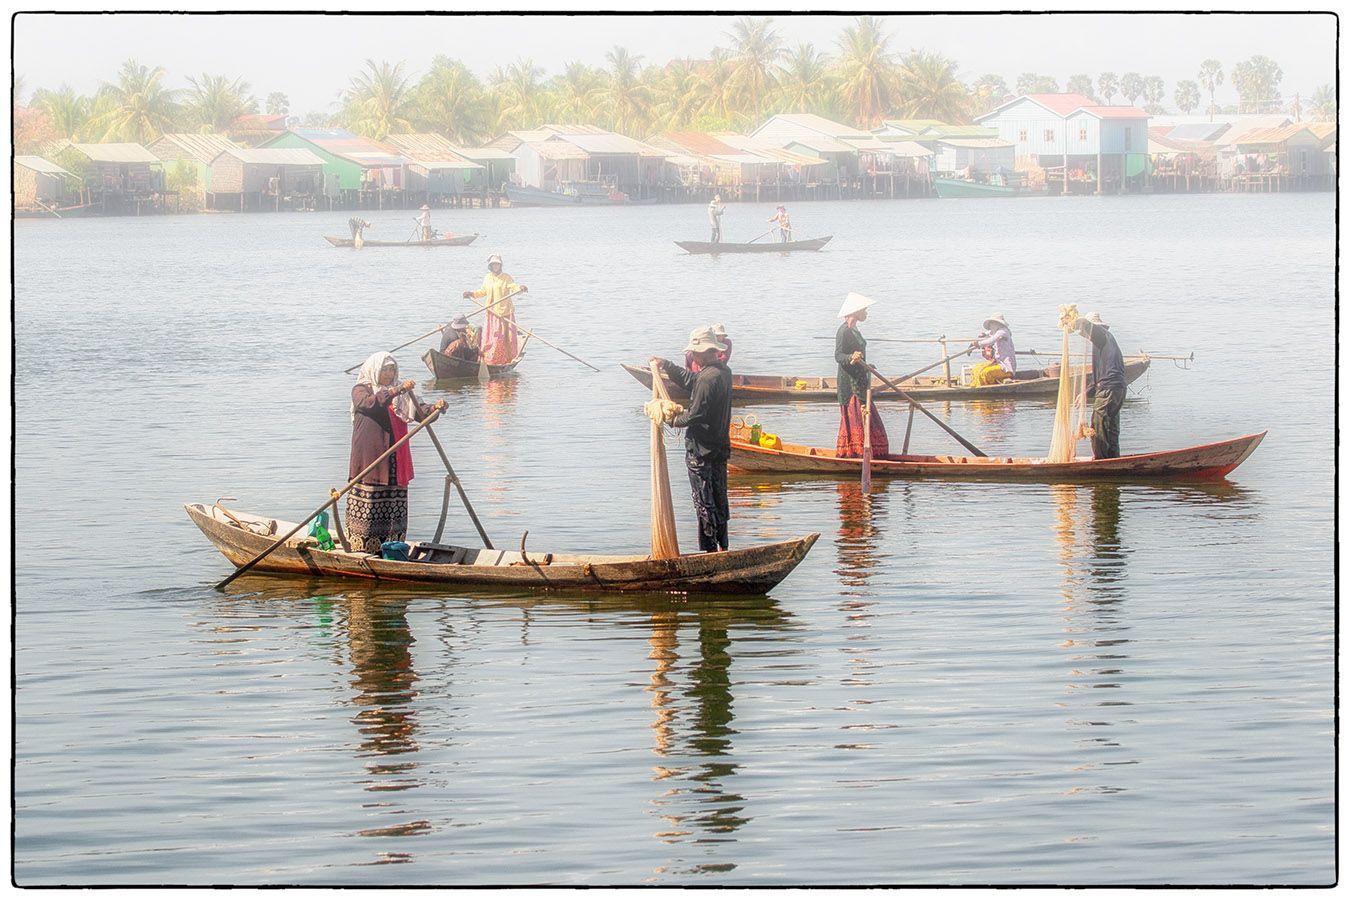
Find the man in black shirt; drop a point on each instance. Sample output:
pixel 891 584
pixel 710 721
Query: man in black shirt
pixel 1107 388
pixel 707 441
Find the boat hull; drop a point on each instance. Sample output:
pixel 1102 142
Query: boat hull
pixel 1207 462
pixel 447 368
pixel 460 240
pixel 748 570
pixel 956 189
pixel 705 247
pixel 532 196
pixel 751 388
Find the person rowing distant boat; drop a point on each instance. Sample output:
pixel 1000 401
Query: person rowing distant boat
pixel 499 344
pixel 997 343
pixel 455 340
pixel 358 226
pixel 715 210
pixel 854 378
pixel 1107 387
pixel 424 221
pixel 780 217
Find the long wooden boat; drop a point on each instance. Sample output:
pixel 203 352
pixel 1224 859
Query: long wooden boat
pixel 1206 462
pixel 957 188
pixel 748 388
pixel 445 368
pixel 766 247
pixel 743 570
pixel 572 194
pixel 459 240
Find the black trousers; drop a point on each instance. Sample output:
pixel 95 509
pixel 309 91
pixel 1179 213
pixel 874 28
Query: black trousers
pixel 1106 420
pixel 717 234
pixel 708 483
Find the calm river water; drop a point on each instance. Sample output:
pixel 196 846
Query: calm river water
pixel 962 683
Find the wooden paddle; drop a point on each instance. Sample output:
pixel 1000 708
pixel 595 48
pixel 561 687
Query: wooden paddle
pixel 867 442
pixel 436 330
pixel 332 501
pixel 765 234
pixel 921 408
pixel 523 330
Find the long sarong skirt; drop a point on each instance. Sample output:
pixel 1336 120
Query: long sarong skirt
pixel 849 444
pixel 376 513
pixel 500 342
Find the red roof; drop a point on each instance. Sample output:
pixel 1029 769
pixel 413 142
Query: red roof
pixel 260 122
pixel 1116 112
pixel 1060 103
pixel 698 143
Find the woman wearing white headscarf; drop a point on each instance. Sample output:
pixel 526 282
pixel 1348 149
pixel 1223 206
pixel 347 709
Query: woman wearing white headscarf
pixel 377 506
pixel 850 352
pixel 499 345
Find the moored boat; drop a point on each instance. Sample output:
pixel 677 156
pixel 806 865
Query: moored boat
pixel 1206 462
pixel 791 387
pixel 445 368
pixel 571 194
pixel 459 240
pixel 958 188
pixel 241 537
pixel 706 247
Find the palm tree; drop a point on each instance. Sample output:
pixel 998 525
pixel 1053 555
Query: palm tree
pixel 137 108
pixel 215 102
pixel 278 104
pixel 521 101
pixel 1032 83
pixel 930 89
pixel 867 71
pixel 1187 95
pixel 1211 78
pixel 575 92
pixel 1153 91
pixel 1322 104
pixel 1107 85
pixel 755 49
pixel 1131 86
pixel 674 97
pixel 378 101
pixel 623 95
pixel 712 96
pixel 1080 84
pixel 804 81
pixel 450 100
pixel 988 92
pixel 66 110
pixel 1258 84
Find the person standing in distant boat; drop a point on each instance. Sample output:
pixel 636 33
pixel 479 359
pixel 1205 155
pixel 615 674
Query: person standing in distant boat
pixel 707 442
pixel 358 226
pixel 850 352
pixel 715 209
pixel 377 505
pixel 1107 387
pixel 784 224
pixel 424 221
pixel 499 344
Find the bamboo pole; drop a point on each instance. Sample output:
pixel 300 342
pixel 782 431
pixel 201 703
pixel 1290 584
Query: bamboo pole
pixel 460 487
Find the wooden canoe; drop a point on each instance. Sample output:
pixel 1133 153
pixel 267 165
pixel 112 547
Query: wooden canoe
pixel 1206 462
pixel 459 240
pixel 791 387
pixel 766 247
pixel 446 368
pixel 743 570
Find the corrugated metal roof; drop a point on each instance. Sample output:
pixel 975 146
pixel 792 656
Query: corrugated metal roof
pixel 695 142
pixel 428 147
pixel 913 126
pixel 605 144
pixel 940 132
pixel 574 129
pixel 362 151
pixel 1322 130
pixel 1114 112
pixel 203 147
pixel 744 159
pixel 38 164
pixel 557 149
pixel 1060 104
pixel 1269 135
pixel 761 148
pixel 1195 131
pixel 907 149
pixel 117 153
pixel 273 156
pixel 813 122
pixel 478 154
pixel 989 143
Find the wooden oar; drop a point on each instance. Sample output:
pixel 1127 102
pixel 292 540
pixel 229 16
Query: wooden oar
pixel 765 234
pixel 437 329
pixel 921 408
pixel 867 442
pixel 523 330
pixel 332 500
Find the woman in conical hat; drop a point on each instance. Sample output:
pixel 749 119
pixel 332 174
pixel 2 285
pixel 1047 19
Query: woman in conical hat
pixel 499 343
pixel 850 352
pixel 996 340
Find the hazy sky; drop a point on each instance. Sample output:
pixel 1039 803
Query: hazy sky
pixel 310 58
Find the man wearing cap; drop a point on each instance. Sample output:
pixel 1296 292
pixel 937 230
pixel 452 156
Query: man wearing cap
pixel 996 340
pixel 455 340
pixel 850 352
pixel 1107 388
pixel 707 440
pixel 499 345
pixel 715 209
pixel 725 356
pixel 784 224
pixel 424 220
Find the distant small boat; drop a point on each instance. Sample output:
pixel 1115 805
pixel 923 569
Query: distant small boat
pixel 957 188
pixel 446 368
pixel 1206 462
pixel 43 211
pixel 459 240
pixel 571 194
pixel 766 247
pixel 815 387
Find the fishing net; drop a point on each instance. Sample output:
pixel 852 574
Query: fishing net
pixel 665 542
pixel 1071 399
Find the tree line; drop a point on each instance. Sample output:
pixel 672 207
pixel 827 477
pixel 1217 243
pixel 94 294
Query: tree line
pixel 862 79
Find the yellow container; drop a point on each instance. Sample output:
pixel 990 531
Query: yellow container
pixel 770 441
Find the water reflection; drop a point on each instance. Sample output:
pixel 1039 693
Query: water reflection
pixel 861 524
pixel 380 646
